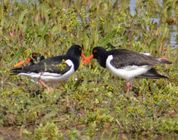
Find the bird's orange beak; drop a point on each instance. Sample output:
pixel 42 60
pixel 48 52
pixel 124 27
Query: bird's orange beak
pixel 83 58
pixel 21 63
pixel 86 60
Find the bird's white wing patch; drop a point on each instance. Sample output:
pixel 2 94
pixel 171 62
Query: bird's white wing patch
pixel 48 76
pixel 127 72
pixel 148 54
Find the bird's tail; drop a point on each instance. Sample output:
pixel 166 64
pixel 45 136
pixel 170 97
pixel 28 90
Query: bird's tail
pixel 16 70
pixel 152 73
pixel 164 60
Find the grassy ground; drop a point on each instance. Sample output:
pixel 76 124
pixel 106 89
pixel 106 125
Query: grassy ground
pixel 92 104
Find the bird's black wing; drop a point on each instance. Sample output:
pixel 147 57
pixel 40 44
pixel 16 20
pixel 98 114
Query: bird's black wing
pixel 53 65
pixel 152 73
pixel 122 58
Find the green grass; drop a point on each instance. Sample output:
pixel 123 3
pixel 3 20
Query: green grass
pixel 95 105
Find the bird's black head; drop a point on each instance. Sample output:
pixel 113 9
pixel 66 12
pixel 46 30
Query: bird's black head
pixel 101 55
pixel 74 54
pixel 74 51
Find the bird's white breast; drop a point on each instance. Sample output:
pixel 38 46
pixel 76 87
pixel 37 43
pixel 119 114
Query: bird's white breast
pixel 127 72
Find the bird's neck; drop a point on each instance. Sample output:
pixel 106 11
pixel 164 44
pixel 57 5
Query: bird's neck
pixel 102 59
pixel 76 61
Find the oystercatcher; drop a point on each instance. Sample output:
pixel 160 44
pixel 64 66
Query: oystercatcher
pixel 53 69
pixel 33 59
pixel 128 64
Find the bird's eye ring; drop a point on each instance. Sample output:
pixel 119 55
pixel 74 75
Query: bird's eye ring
pixel 95 51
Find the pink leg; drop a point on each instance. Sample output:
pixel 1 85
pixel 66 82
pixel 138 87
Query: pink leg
pixel 128 86
pixel 43 84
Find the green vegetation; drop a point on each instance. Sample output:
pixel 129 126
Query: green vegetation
pixel 94 105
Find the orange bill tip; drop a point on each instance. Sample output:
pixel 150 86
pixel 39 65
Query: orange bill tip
pixel 87 59
pixel 83 56
pixel 90 57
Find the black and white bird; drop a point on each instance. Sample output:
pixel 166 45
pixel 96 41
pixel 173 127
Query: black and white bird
pixel 128 64
pixel 53 69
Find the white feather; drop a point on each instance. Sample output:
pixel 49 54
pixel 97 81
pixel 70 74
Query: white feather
pixel 47 76
pixel 127 72
pixel 148 54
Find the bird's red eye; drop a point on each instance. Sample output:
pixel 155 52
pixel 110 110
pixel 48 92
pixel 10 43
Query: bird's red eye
pixel 95 51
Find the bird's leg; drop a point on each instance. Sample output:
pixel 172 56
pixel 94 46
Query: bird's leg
pixel 43 84
pixel 128 86
pixel 40 81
